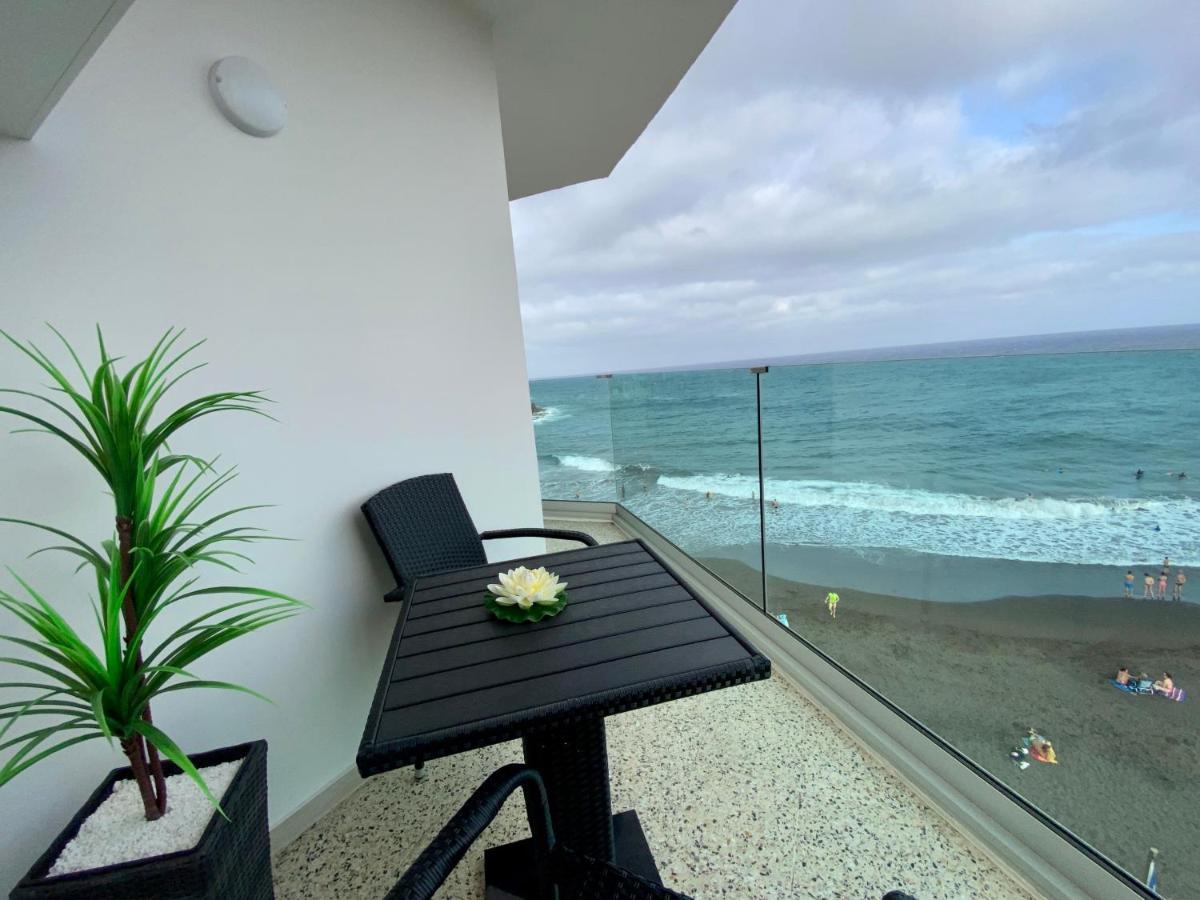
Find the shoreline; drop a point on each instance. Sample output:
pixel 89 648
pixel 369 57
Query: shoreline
pixel 946 579
pixel 980 673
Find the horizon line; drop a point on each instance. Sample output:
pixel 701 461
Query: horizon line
pixel 884 353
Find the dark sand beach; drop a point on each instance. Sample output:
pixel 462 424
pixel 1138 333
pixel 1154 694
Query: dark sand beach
pixel 979 674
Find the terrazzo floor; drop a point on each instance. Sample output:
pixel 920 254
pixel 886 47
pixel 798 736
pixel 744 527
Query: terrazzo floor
pixel 745 792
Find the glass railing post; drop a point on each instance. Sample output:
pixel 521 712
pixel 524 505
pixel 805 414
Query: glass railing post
pixel 759 371
pixel 612 444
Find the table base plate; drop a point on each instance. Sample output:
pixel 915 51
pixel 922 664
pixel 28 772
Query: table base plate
pixel 507 867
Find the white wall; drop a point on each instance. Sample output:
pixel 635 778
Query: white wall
pixel 358 267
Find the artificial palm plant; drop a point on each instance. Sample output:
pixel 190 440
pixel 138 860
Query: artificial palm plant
pixel 103 687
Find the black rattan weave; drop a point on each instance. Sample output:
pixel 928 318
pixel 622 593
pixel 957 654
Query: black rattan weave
pixel 232 861
pixel 573 762
pixel 423 527
pixel 632 634
pixel 573 874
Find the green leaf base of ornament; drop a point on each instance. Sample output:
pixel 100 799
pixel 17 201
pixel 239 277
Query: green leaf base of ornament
pixel 535 613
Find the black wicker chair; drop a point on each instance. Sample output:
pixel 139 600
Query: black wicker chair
pixel 423 527
pixel 556 868
pixel 558 871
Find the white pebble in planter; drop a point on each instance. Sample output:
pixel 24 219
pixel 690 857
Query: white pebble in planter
pixel 118 830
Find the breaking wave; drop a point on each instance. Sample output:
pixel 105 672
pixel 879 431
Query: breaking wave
pixel 913 502
pixel 586 463
pixel 1088 530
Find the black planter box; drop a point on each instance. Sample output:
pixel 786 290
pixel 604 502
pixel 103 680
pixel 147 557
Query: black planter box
pixel 232 861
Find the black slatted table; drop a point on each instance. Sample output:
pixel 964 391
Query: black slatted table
pixel 455 678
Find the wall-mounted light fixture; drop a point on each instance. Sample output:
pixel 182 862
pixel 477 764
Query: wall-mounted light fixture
pixel 245 95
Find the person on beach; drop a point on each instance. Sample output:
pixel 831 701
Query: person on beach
pixel 831 601
pixel 1164 685
pixel 1123 676
pixel 1129 584
pixel 774 504
pixel 1177 591
pixel 1041 749
pixel 1166 566
pixel 1162 585
pixel 1147 586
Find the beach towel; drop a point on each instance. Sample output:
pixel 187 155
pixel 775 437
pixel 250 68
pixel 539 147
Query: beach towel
pixel 1045 754
pixel 1177 694
pixel 1130 687
pixel 1037 748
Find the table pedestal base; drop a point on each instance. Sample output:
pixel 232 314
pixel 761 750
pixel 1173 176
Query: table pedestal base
pixel 508 867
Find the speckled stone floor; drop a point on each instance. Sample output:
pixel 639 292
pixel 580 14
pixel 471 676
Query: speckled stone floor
pixel 746 792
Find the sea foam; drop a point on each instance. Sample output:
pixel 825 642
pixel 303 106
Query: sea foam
pixel 910 501
pixel 1099 530
pixel 587 463
pixel 550 414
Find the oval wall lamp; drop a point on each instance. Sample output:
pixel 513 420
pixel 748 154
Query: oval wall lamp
pixel 245 95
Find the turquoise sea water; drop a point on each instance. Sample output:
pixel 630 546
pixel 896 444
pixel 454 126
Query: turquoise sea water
pixel 1027 458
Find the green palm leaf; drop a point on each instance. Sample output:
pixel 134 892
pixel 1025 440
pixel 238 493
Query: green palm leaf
pixel 103 686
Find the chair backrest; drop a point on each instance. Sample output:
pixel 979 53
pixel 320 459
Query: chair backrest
pixel 422 526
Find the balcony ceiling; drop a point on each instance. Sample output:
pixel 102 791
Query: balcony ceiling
pixel 43 45
pixel 578 79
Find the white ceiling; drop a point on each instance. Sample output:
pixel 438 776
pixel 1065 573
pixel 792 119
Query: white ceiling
pixel 578 79
pixel 43 45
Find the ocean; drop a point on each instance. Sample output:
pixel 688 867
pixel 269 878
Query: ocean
pixel 901 472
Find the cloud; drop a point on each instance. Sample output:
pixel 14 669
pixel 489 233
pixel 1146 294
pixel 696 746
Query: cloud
pixel 847 175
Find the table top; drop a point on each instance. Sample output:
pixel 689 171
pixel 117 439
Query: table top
pixel 632 635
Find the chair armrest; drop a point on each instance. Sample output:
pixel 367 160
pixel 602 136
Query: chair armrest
pixel 437 860
pixel 395 595
pixel 562 535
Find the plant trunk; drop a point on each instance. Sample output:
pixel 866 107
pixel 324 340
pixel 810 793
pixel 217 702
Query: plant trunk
pixel 135 750
pixel 143 756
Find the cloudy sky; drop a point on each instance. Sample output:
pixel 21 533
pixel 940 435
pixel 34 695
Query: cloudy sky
pixel 838 175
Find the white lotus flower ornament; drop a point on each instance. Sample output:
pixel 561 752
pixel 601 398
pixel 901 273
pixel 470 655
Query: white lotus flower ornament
pixel 526 595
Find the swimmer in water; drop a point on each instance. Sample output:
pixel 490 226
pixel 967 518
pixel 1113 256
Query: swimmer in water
pixel 1139 474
